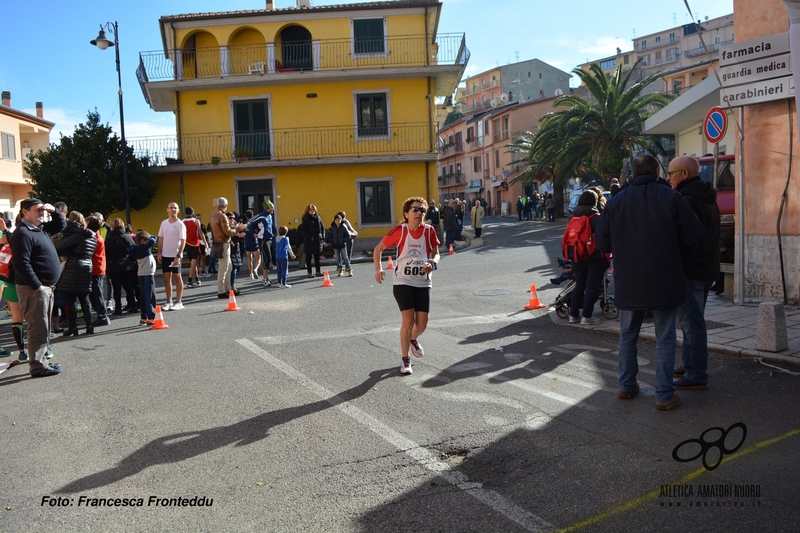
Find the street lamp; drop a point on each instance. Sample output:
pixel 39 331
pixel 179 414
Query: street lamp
pixel 102 42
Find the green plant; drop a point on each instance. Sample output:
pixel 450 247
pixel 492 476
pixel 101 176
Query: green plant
pixel 215 160
pixel 242 152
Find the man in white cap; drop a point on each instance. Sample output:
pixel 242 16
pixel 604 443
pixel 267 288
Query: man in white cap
pixel 37 269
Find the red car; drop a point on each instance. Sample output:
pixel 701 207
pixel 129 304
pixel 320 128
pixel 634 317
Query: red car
pixel 725 184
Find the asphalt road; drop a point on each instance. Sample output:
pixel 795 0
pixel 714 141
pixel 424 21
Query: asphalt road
pixel 290 415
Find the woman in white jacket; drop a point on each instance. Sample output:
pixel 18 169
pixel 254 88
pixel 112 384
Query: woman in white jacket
pixel 476 216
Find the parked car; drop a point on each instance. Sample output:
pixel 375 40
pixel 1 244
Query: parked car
pixel 573 199
pixel 726 185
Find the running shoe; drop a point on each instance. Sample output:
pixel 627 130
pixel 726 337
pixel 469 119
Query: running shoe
pixel 197 283
pixel 415 349
pixel 5 316
pixel 48 353
pixel 23 356
pixel 4 352
pixel 177 306
pixel 167 306
pixel 589 321
pixel 266 282
pixel 405 366
pixel 191 285
pixel 286 286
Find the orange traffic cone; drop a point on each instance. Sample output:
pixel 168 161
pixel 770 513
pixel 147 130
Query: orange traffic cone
pixel 534 302
pixel 451 252
pixel 326 281
pixel 159 322
pixel 232 303
pixel 389 265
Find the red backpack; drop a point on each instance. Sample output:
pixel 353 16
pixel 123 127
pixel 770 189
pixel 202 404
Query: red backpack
pixel 577 243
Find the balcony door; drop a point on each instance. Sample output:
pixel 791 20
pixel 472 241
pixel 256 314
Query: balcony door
pixel 296 48
pixel 251 129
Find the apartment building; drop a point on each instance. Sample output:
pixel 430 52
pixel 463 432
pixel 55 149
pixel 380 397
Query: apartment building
pixel 518 82
pixel 310 104
pixel 21 133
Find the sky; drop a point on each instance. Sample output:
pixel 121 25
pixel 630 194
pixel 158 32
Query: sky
pixel 48 57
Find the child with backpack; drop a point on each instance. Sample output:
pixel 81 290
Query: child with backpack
pixel 588 262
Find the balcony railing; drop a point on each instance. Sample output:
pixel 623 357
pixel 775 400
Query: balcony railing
pixel 451 149
pixel 298 143
pixel 491 84
pixel 663 61
pixel 321 54
pixel 711 49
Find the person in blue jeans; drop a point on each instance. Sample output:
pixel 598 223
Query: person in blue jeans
pixel 701 271
pixel 283 251
pixel 339 238
pixel 146 270
pixel 648 226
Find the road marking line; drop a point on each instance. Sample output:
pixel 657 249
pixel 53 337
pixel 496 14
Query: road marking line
pixel 423 456
pixel 635 502
pixel 360 332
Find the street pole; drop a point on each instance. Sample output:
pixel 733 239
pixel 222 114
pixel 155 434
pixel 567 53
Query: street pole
pixel 102 43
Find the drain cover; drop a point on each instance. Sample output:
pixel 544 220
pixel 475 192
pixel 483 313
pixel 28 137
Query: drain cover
pixel 492 292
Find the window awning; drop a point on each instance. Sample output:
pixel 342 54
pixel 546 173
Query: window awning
pixel 497 184
pixel 474 189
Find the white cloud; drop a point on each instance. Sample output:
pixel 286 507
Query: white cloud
pixel 604 46
pixel 67 120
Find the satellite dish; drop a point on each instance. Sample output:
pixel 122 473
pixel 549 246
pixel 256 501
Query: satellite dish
pixel 559 92
pixel 504 98
pixel 493 102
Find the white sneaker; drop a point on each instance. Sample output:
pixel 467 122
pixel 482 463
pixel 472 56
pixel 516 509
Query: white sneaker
pixel 405 366
pixel 286 286
pixel 197 282
pixel 177 306
pixel 415 349
pixel 266 282
pixel 589 321
pixel 573 320
pixel 253 276
pixel 167 306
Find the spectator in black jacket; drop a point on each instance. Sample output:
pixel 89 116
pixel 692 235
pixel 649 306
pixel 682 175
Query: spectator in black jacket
pixel 339 238
pixel 648 226
pixel 701 270
pixel 75 283
pixel 37 268
pixel 313 232
pixel 450 224
pixel 434 217
pixel 119 265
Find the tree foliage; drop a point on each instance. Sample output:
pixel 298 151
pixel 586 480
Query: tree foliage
pixel 85 171
pixel 591 136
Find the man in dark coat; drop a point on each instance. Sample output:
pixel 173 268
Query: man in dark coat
pixel 701 270
pixel 450 223
pixel 37 269
pixel 647 226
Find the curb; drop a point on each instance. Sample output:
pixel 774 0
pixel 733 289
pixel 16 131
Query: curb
pixel 720 349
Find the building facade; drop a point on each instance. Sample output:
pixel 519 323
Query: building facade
pixel 22 133
pixel 331 105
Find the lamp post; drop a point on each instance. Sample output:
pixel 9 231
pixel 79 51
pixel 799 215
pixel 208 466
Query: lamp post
pixel 102 42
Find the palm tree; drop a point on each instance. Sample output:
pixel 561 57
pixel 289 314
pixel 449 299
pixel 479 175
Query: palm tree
pixel 591 135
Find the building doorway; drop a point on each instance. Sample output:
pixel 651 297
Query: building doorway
pixel 253 194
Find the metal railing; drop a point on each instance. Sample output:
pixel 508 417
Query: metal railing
pixel 702 50
pixel 491 84
pixel 321 54
pixel 281 144
pixel 451 149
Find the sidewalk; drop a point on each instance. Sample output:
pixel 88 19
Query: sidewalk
pixel 731 330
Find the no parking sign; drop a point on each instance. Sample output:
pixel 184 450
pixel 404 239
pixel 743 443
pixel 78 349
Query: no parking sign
pixel 715 124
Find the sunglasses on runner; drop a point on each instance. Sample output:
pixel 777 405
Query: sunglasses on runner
pixel 418 209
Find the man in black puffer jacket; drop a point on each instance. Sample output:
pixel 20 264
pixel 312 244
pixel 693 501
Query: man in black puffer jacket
pixel 701 270
pixel 648 227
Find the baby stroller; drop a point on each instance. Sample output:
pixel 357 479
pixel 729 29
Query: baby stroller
pixel 610 309
pixel 561 304
pixel 562 300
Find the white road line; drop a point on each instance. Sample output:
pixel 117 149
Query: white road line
pixel 421 455
pixel 360 332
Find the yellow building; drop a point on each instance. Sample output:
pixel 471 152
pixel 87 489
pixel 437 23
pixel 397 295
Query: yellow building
pixel 331 105
pixel 21 133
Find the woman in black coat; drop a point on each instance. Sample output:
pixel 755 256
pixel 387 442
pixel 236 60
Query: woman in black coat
pixel 75 283
pixel 312 231
pixel 118 266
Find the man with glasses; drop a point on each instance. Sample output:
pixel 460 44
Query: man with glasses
pixel 37 269
pixel 701 270
pixel 648 226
